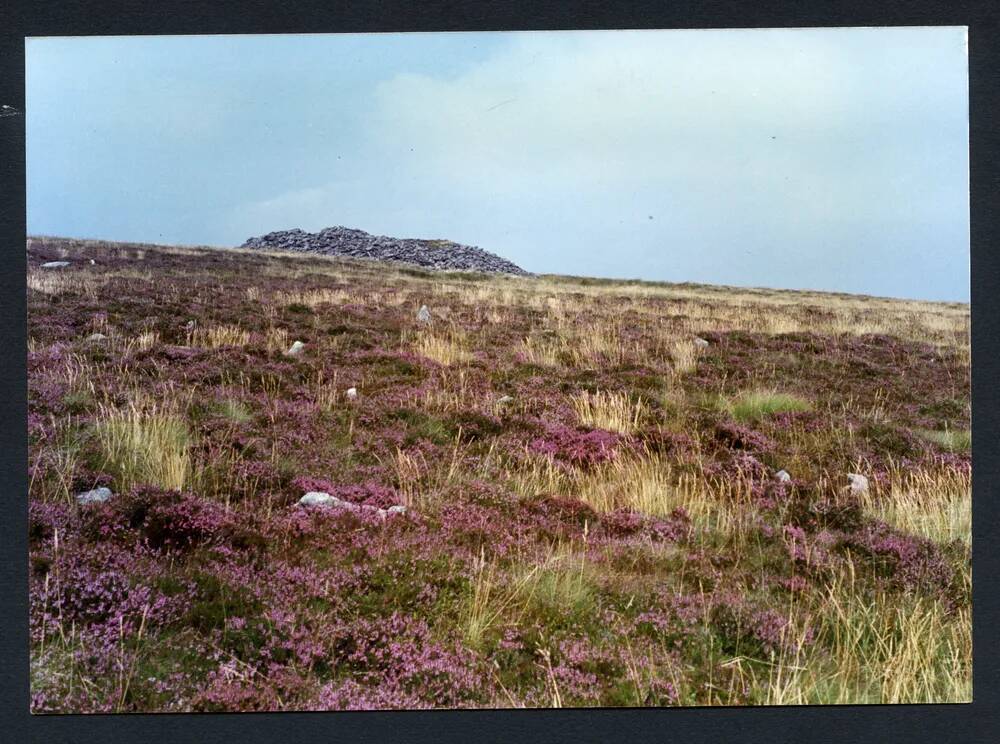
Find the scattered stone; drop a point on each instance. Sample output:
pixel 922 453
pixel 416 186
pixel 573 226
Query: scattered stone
pixel 96 337
pixel 321 498
pixel 700 342
pixel 296 349
pixel 352 393
pixel 783 476
pixel 55 264
pixel 442 255
pixel 858 483
pixel 423 314
pixel 97 496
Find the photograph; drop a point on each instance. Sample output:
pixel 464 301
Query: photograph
pixel 498 370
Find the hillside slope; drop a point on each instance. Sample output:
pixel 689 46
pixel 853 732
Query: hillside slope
pixel 594 511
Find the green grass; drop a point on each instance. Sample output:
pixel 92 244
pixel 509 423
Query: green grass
pixel 755 405
pixel 234 410
pixel 953 440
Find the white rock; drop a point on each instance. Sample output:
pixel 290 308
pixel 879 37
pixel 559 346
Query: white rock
pixel 423 314
pixel 94 337
pixel 98 495
pixel 296 349
pixel 55 264
pixel 782 476
pixel 700 342
pixel 352 393
pixel 397 509
pixel 859 483
pixel 93 262
pixel 317 498
pixel 504 399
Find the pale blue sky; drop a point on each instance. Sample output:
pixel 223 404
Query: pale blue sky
pixel 826 159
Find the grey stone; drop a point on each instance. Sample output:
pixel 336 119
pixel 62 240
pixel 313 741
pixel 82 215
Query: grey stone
pixel 505 399
pixel 297 348
pixel 96 337
pixel 55 264
pixel 782 476
pixel 700 342
pixel 316 498
pixel 97 496
pixel 352 393
pixel 397 509
pixel 423 314
pixel 858 483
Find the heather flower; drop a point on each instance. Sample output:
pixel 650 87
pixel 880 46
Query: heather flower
pixel 583 449
pixel 910 561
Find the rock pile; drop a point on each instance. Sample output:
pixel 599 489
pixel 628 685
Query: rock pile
pixel 442 255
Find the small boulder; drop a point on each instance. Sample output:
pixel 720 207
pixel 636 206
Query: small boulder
pixel 700 342
pixel 55 264
pixel 782 476
pixel 352 393
pixel 858 483
pixel 96 338
pixel 397 509
pixel 297 348
pixel 93 262
pixel 505 399
pixel 317 498
pixel 423 314
pixel 97 496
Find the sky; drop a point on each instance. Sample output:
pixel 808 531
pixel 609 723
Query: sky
pixel 831 159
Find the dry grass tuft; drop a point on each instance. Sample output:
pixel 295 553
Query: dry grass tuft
pixel 144 445
pixel 277 339
pixel 444 347
pixel 935 505
pixel 540 352
pixel 877 649
pixel 217 337
pixel 684 355
pixel 611 411
pixel 313 298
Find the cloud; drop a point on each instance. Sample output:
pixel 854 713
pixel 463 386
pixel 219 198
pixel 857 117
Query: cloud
pixel 752 146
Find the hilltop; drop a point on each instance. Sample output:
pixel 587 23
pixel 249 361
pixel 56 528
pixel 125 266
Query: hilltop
pixel 343 241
